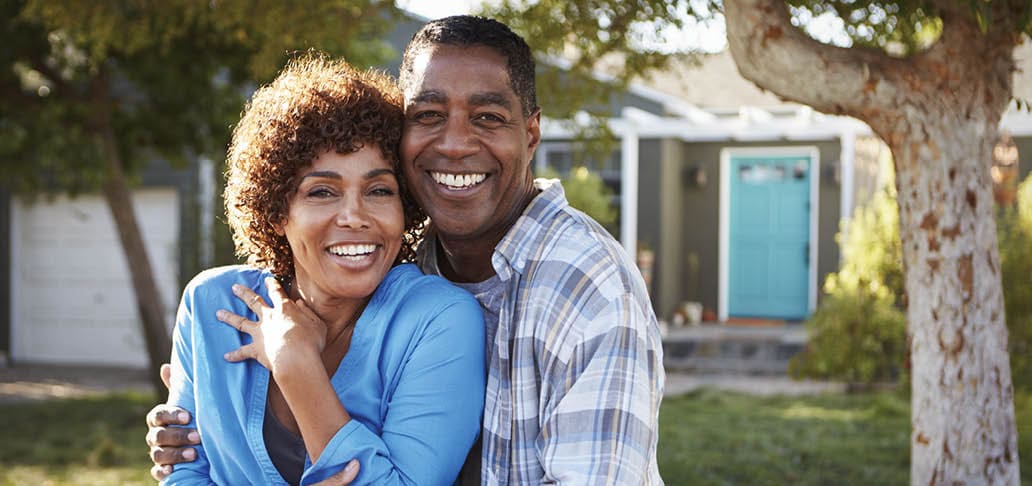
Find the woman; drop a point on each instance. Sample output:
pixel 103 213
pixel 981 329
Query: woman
pixel 359 356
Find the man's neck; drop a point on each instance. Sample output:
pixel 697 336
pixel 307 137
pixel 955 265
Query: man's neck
pixel 465 261
pixel 468 260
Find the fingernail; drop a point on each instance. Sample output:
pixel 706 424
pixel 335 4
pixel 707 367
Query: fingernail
pixel 182 417
pixel 193 437
pixel 189 454
pixel 351 466
pixel 221 314
pixel 227 356
pixel 166 469
pixel 236 288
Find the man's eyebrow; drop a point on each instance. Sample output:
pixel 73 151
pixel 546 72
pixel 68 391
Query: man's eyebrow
pixel 490 98
pixel 430 97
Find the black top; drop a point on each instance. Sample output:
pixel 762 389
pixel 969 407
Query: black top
pixel 286 450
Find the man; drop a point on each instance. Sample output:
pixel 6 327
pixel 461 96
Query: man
pixel 575 374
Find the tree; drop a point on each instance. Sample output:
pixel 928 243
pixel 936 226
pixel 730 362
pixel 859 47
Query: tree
pixel 92 91
pixel 937 102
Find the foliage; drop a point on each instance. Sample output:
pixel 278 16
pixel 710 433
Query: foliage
pixel 169 77
pixel 858 333
pixel 1015 232
pixel 586 192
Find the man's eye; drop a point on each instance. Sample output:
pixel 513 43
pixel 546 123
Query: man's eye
pixel 488 118
pixel 428 117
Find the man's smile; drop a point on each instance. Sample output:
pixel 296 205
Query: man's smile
pixel 458 182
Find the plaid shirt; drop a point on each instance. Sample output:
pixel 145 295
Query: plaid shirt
pixel 575 376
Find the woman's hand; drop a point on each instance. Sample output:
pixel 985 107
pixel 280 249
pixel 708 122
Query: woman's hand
pixel 286 332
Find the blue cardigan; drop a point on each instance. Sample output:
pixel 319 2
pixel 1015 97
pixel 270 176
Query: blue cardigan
pixel 412 381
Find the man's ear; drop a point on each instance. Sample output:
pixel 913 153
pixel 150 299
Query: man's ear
pixel 533 132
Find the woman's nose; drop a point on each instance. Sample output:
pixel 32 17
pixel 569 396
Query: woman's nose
pixel 352 213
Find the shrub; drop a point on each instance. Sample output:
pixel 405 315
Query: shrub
pixel 586 191
pixel 1015 232
pixel 858 333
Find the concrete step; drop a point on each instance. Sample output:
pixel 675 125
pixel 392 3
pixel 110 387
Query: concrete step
pixel 733 349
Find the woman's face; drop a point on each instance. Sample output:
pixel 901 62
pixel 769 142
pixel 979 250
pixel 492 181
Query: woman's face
pixel 344 224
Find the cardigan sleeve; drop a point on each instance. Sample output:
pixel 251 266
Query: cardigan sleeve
pixel 181 393
pixel 433 412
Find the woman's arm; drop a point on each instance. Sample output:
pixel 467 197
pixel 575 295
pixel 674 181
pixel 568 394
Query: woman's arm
pixel 434 409
pixel 288 340
pixel 181 393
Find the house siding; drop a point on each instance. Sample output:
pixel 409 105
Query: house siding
pixel 6 279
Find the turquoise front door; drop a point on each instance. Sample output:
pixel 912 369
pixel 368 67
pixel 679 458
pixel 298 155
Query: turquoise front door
pixel 769 237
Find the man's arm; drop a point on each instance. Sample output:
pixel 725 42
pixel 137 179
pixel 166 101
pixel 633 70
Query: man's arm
pixel 610 386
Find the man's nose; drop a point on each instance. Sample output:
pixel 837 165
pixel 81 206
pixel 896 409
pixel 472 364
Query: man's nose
pixel 457 141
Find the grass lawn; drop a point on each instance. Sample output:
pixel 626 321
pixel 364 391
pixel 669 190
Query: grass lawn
pixel 711 437
pixel 707 437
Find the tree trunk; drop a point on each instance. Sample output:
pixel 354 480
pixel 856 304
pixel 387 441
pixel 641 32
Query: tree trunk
pixel 963 428
pixel 148 299
pixel 938 111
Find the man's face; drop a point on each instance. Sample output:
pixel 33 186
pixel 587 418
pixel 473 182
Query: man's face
pixel 467 146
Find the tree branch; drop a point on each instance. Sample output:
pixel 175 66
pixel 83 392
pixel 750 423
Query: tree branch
pixel 777 56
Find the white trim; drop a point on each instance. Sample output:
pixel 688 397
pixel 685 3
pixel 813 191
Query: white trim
pixel 726 154
pixel 629 193
pixel 733 128
pixel 847 169
pixel 15 254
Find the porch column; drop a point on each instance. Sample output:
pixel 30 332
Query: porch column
pixel 629 192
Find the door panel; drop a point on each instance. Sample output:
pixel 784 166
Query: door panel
pixel 769 234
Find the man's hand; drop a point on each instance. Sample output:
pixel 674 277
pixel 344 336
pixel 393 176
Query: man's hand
pixel 168 444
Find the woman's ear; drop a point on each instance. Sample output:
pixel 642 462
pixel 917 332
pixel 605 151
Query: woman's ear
pixel 277 226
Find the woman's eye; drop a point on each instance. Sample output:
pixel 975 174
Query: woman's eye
pixel 320 192
pixel 382 191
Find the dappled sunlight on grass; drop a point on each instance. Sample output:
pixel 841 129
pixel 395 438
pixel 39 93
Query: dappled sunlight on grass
pixel 802 411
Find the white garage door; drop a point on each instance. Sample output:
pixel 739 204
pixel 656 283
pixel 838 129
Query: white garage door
pixel 72 299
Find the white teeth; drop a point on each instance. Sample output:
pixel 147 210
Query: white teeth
pixel 352 251
pixel 458 181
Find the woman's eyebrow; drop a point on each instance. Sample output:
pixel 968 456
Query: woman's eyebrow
pixel 326 174
pixel 378 172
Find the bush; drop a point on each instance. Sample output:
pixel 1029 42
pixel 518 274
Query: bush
pixel 586 191
pixel 858 333
pixel 1015 232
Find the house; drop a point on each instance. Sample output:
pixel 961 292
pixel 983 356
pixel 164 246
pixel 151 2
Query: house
pixel 737 195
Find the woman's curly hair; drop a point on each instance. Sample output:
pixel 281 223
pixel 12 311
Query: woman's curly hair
pixel 314 105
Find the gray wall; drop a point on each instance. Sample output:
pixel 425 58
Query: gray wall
pixel 1024 156
pixel 5 273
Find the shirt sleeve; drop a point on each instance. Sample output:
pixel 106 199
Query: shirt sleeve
pixel 181 394
pixel 433 414
pixel 600 406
